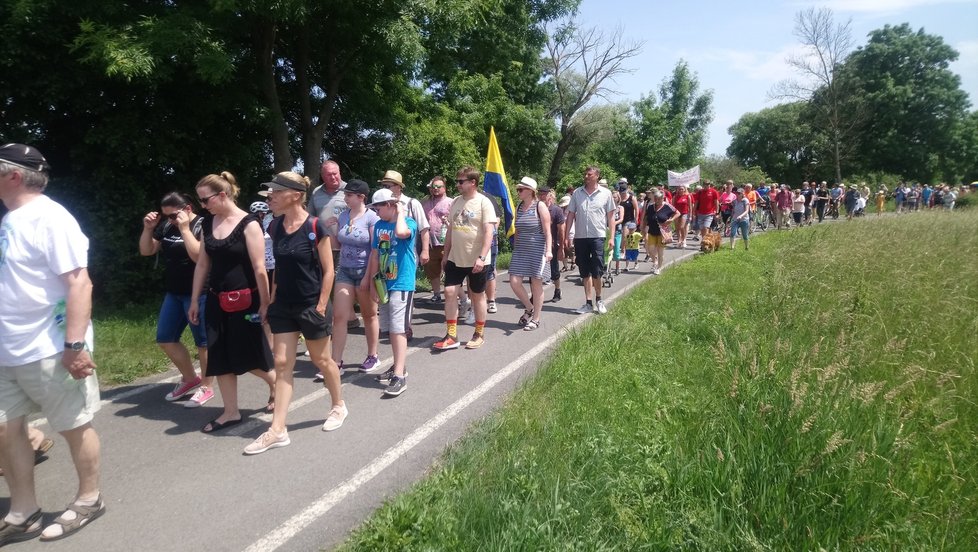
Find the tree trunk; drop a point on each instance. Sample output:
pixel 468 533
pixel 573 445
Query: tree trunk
pixel 562 146
pixel 265 48
pixel 314 132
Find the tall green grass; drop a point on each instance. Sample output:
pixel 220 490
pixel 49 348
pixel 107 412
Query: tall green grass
pixel 817 392
pixel 125 343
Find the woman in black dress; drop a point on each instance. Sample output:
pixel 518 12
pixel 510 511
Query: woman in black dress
pixel 233 258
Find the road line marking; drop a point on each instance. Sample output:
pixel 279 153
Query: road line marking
pixel 326 502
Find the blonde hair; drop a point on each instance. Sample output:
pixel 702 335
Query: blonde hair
pixel 298 179
pixel 217 183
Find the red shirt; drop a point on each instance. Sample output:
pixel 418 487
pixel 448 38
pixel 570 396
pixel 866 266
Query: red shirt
pixel 706 201
pixel 681 203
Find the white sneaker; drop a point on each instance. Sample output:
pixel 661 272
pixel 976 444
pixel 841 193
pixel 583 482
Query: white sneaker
pixel 586 308
pixel 601 308
pixel 336 417
pixel 268 440
pixel 463 309
pixel 470 318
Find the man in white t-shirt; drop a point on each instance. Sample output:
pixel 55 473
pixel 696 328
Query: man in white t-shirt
pixel 45 360
pixel 468 243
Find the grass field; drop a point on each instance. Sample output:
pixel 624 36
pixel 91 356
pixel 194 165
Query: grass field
pixel 818 392
pixel 125 343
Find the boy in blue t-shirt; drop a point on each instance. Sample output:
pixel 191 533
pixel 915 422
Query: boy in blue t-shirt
pixel 391 271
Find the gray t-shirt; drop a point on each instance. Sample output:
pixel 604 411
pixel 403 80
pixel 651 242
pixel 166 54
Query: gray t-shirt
pixel 740 206
pixel 590 212
pixel 328 207
pixel 355 238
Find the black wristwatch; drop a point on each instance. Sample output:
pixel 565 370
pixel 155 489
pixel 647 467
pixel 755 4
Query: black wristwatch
pixel 74 345
pixel 482 258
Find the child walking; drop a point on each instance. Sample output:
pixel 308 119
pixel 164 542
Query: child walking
pixel 390 272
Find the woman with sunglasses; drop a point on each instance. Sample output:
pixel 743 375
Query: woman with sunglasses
pixel 175 231
pixel 232 262
pixel 300 302
pixel 532 251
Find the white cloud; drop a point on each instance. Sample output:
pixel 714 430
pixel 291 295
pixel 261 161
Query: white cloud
pixel 757 65
pixel 967 67
pixel 881 6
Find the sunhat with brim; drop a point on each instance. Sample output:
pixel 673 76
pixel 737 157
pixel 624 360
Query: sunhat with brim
pixel 279 182
pixel 528 183
pixel 392 177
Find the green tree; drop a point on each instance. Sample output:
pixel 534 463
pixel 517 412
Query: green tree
pixel 919 108
pixel 663 132
pixel 779 140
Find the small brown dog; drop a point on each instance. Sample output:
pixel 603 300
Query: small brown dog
pixel 711 241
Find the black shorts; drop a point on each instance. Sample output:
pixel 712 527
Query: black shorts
pixel 291 318
pixel 554 270
pixel 455 275
pixel 589 253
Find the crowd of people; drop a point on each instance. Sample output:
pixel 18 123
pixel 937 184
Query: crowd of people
pixel 302 264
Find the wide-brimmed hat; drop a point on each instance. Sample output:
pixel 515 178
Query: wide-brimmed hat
pixel 392 177
pixel 382 195
pixel 23 156
pixel 280 182
pixel 527 182
pixel 564 201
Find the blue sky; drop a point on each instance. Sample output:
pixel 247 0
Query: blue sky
pixel 738 48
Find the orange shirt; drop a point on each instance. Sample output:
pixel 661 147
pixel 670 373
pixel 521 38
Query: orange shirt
pixel 752 198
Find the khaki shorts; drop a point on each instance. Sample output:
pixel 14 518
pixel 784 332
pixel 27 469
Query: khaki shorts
pixel 432 270
pixel 46 386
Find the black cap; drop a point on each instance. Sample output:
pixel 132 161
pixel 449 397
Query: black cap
pixel 543 190
pixel 23 156
pixel 357 187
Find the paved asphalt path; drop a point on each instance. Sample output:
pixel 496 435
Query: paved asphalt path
pixel 167 486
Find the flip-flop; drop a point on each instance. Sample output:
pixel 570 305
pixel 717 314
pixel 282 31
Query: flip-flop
pixel 83 516
pixel 218 426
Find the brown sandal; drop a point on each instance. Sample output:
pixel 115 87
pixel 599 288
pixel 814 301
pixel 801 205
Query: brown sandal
pixel 84 516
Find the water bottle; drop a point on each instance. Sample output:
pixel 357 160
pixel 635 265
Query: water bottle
pixel 381 286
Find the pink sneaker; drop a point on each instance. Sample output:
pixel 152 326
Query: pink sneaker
pixel 202 395
pixel 183 388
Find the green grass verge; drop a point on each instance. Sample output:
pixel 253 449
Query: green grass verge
pixel 818 392
pixel 125 343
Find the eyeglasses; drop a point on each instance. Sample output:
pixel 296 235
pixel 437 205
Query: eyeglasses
pixel 204 200
pixel 437 186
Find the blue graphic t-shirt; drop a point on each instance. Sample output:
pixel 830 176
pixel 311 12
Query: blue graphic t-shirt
pixel 354 237
pixel 398 258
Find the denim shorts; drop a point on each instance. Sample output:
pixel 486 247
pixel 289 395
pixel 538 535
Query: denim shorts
pixel 350 276
pixel 173 320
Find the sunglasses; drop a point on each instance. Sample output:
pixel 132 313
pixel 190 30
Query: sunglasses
pixel 204 200
pixel 172 216
pixel 437 186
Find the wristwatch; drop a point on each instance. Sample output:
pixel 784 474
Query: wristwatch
pixel 482 258
pixel 74 345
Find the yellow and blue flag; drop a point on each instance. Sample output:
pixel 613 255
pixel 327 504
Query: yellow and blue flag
pixel 494 183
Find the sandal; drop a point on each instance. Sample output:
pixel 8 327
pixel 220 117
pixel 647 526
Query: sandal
pixel 83 516
pixel 10 532
pixel 531 325
pixel 527 314
pixel 215 425
pixel 270 406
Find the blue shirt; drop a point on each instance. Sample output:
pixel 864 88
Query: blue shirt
pixel 398 258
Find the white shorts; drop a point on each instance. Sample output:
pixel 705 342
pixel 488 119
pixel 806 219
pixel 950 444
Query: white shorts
pixel 44 385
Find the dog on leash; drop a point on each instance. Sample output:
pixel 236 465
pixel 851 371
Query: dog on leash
pixel 711 241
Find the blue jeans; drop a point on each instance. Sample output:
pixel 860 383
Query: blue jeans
pixel 173 320
pixel 743 225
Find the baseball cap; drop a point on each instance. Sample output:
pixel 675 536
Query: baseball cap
pixel 23 156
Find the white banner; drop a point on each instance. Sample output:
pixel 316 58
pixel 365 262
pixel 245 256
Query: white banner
pixel 684 178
